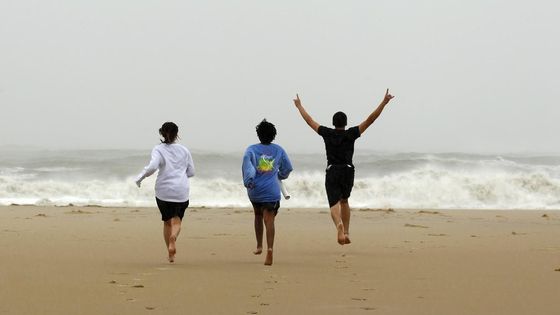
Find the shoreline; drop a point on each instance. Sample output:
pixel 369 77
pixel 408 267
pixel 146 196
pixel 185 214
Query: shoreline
pixel 107 260
pixel 389 209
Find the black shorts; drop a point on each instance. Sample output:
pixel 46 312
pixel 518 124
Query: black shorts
pixel 339 181
pixel 259 207
pixel 170 209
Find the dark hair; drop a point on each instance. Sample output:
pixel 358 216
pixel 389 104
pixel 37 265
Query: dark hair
pixel 169 132
pixel 266 132
pixel 339 120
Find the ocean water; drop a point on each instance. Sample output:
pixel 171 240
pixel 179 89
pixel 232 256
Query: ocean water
pixel 399 180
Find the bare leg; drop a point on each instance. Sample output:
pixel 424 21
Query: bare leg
pixel 166 232
pixel 345 216
pixel 175 230
pixel 270 230
pixel 337 219
pixel 258 230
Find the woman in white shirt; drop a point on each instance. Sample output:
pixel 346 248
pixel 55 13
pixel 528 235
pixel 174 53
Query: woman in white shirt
pixel 175 165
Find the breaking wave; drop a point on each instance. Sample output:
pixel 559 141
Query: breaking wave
pixel 426 185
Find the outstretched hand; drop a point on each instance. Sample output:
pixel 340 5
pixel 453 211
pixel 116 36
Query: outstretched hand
pixel 297 101
pixel 387 97
pixel 310 122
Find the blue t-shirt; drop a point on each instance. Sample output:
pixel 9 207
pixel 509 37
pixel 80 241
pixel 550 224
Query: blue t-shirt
pixel 263 166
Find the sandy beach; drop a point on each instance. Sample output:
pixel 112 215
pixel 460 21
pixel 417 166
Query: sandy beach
pixel 92 260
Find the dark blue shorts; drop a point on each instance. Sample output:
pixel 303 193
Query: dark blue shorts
pixel 339 181
pixel 170 209
pixel 259 207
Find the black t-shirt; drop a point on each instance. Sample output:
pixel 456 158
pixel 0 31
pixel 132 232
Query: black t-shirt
pixel 339 144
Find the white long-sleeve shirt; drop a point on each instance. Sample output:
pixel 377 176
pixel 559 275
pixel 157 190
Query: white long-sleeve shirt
pixel 175 165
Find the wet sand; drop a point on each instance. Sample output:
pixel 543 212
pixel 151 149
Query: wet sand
pixel 89 260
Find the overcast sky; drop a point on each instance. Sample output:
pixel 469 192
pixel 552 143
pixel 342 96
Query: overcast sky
pixel 468 76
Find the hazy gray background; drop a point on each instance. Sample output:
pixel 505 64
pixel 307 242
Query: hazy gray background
pixel 469 76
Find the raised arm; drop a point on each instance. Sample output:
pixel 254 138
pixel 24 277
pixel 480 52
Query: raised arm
pixel 312 123
pixel 373 116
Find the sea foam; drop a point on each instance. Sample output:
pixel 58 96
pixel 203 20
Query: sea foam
pixel 420 181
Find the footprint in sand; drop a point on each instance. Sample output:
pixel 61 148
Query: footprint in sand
pixel 359 299
pixel 428 212
pixel 79 212
pixel 150 308
pixel 416 226
pixel 341 265
pixel 163 268
pixel 368 308
pixel 10 231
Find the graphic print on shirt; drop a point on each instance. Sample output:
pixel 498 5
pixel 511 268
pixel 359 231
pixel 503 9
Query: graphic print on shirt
pixel 265 164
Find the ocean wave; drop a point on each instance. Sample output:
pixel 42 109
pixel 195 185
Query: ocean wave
pixel 424 187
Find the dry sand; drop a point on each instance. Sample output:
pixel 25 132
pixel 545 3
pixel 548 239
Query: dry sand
pixel 74 260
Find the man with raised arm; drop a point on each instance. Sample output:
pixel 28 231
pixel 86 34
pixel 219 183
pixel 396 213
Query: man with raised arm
pixel 339 146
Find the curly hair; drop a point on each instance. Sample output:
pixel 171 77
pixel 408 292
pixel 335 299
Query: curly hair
pixel 266 132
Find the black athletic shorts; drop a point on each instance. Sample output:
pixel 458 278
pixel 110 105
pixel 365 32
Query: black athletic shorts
pixel 259 207
pixel 339 181
pixel 170 209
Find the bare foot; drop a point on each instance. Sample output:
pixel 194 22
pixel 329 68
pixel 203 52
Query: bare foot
pixel 171 248
pixel 340 230
pixel 268 260
pixel 258 251
pixel 346 239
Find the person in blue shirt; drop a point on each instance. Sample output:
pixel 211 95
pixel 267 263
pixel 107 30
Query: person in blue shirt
pixel 264 165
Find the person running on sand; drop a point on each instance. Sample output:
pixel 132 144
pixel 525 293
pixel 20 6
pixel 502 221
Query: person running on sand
pixel 175 165
pixel 264 165
pixel 339 146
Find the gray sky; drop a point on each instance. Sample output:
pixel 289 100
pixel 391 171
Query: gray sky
pixel 469 76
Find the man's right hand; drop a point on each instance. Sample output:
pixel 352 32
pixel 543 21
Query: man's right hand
pixel 310 122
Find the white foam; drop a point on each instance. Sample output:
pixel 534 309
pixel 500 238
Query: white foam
pixel 436 183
